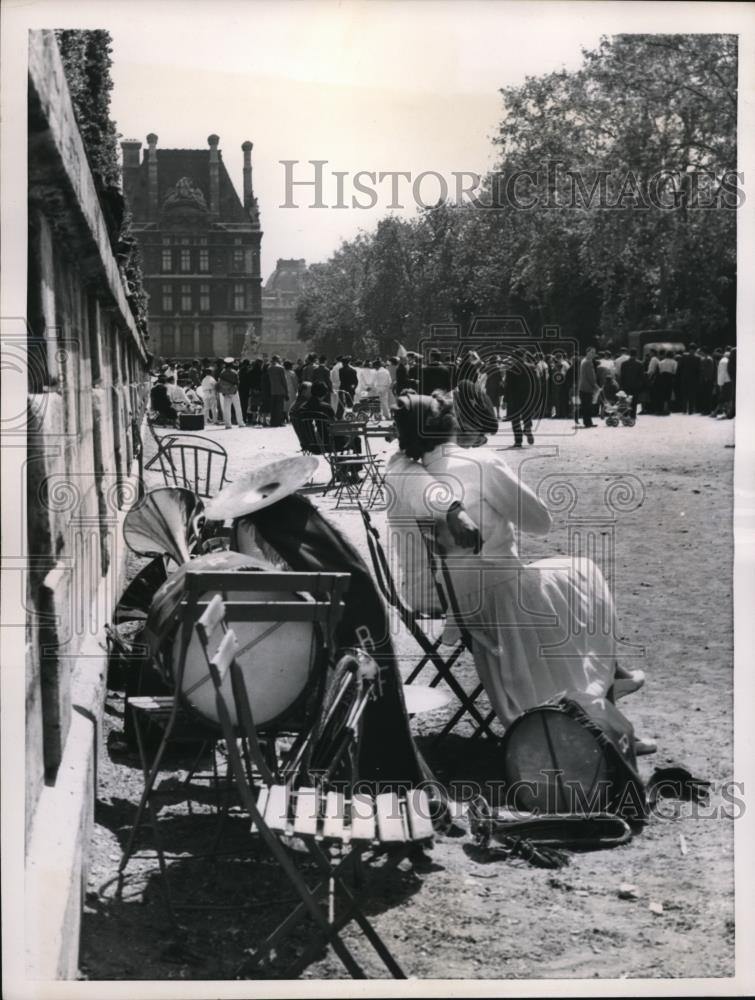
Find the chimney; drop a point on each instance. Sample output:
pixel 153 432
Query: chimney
pixel 130 149
pixel 213 141
pixel 152 175
pixel 248 191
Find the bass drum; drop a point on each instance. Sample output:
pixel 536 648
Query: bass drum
pixel 554 764
pixel 278 660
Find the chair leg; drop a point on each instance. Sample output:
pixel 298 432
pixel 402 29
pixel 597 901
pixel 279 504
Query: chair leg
pixel 146 804
pixel 353 911
pixel 150 776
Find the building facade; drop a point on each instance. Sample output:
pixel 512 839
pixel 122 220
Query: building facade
pixel 200 246
pixel 84 360
pixel 280 298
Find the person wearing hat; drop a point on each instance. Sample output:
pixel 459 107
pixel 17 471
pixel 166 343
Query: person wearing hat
pixel 413 370
pixel 228 391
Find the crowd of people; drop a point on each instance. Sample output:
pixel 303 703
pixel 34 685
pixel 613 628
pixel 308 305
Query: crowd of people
pixel 519 386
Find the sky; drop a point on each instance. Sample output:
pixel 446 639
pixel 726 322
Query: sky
pixel 364 85
pixel 408 87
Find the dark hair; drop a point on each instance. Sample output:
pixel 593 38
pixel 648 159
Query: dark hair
pixel 423 422
pixel 288 365
pixel 473 409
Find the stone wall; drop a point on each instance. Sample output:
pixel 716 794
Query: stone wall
pixel 87 385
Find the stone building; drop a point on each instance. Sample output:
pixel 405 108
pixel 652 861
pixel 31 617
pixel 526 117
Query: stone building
pixel 280 298
pixel 200 246
pixel 81 366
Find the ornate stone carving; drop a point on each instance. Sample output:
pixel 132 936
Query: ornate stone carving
pixel 185 195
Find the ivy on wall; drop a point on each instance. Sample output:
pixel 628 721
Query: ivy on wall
pixel 87 60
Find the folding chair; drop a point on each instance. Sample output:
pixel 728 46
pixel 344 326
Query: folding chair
pixel 318 599
pixel 157 440
pixel 375 469
pixel 194 461
pixel 334 438
pixel 347 823
pixel 439 568
pixel 305 434
pixel 431 655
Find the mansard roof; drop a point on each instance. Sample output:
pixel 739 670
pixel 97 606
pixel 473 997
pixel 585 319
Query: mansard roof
pixel 287 275
pixel 172 166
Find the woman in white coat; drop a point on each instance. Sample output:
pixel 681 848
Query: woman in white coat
pixel 537 628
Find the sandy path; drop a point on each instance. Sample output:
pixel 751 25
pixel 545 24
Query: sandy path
pixel 672 582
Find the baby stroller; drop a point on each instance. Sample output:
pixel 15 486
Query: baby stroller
pixel 368 408
pixel 619 412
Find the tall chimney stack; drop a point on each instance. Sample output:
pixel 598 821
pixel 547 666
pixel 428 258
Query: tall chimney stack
pixel 130 149
pixel 248 190
pixel 152 175
pixel 213 141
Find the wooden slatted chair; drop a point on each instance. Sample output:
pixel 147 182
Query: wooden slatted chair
pixel 337 824
pixel 416 624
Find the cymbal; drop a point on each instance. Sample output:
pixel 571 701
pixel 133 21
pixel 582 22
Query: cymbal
pixel 277 478
pixel 420 698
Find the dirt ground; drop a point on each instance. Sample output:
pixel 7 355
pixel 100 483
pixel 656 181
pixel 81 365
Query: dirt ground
pixel 460 917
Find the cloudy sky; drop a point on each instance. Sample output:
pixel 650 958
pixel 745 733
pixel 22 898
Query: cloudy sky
pixel 366 86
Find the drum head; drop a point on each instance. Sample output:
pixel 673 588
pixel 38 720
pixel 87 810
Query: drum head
pixel 553 764
pixel 277 659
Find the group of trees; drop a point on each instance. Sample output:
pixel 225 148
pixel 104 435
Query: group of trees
pixel 611 208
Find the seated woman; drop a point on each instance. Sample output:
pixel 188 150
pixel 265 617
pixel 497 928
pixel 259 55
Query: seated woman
pixel 318 410
pixel 537 629
pixel 160 403
pixel 302 426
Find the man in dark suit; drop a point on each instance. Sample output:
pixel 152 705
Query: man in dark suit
pixel 705 381
pixel 348 378
pixel 434 376
pixel 321 373
pixel 632 378
pixel 413 371
pixel 687 379
pixel 521 397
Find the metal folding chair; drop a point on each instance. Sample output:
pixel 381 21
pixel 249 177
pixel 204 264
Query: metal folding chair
pixel 194 461
pixel 432 658
pixel 334 439
pixel 320 601
pixel 439 569
pixel 337 824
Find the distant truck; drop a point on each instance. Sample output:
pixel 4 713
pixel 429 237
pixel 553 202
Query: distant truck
pixel 644 340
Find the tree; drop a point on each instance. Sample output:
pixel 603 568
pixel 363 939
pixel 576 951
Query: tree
pixel 594 218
